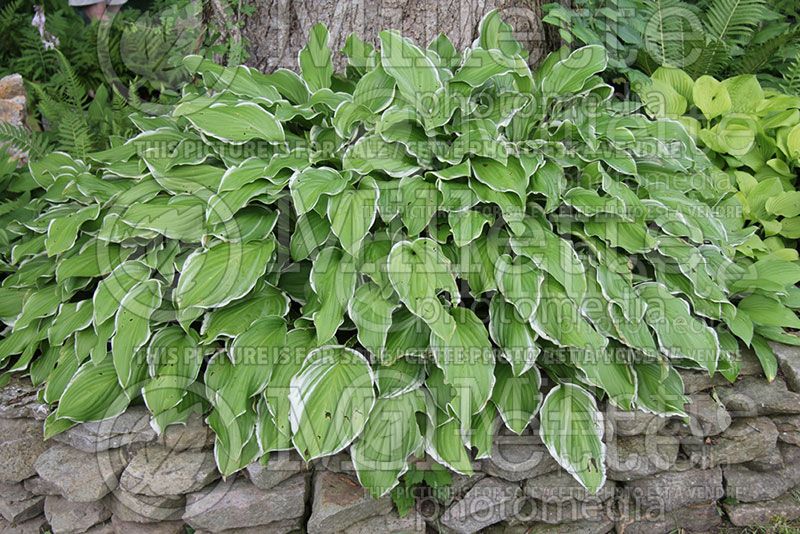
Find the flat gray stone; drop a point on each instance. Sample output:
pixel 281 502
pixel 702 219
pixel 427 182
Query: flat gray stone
pixel 339 502
pixel 389 523
pixel 788 428
pixel 634 457
pixel 575 527
pixel 35 525
pixel 67 517
pixel 567 512
pixel 703 517
pixel 132 426
pixel 789 360
pixel 671 490
pixel 748 485
pixel 155 470
pixel 744 441
pixel 695 381
pixel 193 434
pixel 753 396
pixel 489 501
pixel 162 527
pixel 80 476
pixel 37 486
pixel 237 503
pixel 17 504
pixel 516 458
pixel 707 417
pixel 764 513
pixel 633 422
pixel 18 399
pixel 280 466
pixel 769 462
pixel 21 443
pixel 284 526
pixel 136 508
pixel 561 487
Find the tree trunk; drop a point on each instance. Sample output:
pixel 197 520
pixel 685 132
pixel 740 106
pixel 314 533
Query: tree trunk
pixel 277 29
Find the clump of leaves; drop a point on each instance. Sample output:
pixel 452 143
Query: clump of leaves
pixel 385 260
pixel 715 37
pixel 751 134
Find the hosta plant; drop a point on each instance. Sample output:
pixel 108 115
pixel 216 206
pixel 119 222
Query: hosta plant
pixel 751 134
pixel 396 259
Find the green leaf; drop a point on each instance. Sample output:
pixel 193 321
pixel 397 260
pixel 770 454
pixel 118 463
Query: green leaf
pixel 467 361
pixel 236 123
pixel 333 279
pixel 660 389
pixel 112 289
pixel 711 97
pixel 389 438
pixel 174 359
pixel 517 397
pixel 513 334
pixel 213 277
pixel 315 59
pixel 372 315
pixel 352 213
pixel 178 217
pixel 415 74
pixel 93 394
pixel 235 318
pixel 764 310
pixel 571 428
pixel 551 254
pixel 310 185
pixel 418 271
pixel 501 178
pixel 132 330
pixel 331 398
pixel 680 335
pixel 72 316
pixel 570 74
pixel 443 444
pixel 63 230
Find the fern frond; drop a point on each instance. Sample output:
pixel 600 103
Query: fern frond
pixel 72 87
pixel 791 78
pixel 668 37
pixel 711 59
pixel 734 21
pixel 74 135
pixel 8 15
pixel 22 140
pixel 757 56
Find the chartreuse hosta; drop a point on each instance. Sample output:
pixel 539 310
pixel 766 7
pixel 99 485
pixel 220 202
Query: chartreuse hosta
pixel 751 134
pixel 397 259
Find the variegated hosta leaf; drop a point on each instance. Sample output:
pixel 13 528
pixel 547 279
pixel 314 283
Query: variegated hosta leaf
pixel 331 399
pixel 132 331
pixel 571 427
pixel 419 271
pixel 224 272
pixel 389 438
pixel 467 361
pixel 517 397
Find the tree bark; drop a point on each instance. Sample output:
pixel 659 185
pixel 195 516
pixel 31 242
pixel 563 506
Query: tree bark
pixel 277 29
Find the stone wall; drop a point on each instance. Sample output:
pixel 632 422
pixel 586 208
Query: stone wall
pixel 734 463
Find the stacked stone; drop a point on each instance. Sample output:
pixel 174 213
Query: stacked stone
pixel 735 461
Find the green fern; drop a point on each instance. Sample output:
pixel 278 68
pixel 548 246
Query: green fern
pixel 791 78
pixel 22 140
pixel 733 21
pixel 756 58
